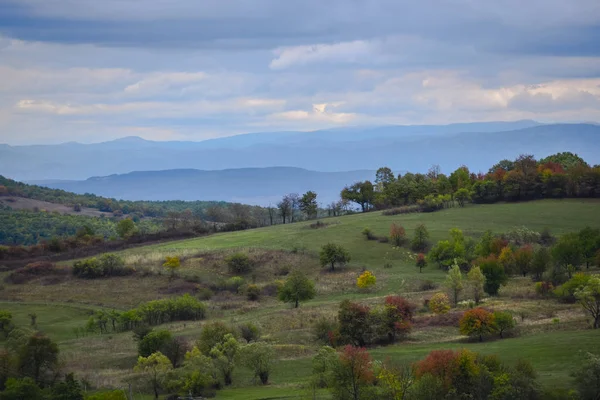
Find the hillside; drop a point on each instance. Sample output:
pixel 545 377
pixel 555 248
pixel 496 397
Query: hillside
pixel 411 148
pixel 551 334
pixel 258 186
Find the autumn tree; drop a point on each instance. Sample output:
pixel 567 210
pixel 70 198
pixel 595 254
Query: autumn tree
pixel 421 262
pixel 507 259
pixel 308 204
pixel 366 280
pixel 354 323
pixel 332 254
pixel 297 288
pixel 154 368
pixel 397 235
pixel 353 375
pixel 454 283
pixel 439 303
pixel 477 322
pixel 172 264
pixel 395 318
pixel 523 258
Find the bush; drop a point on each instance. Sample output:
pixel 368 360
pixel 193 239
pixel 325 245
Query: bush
pixel 397 235
pixel 234 284
pixel 239 263
pixel 249 332
pixel 368 234
pixel 366 280
pixel 566 292
pixel 157 312
pixel 324 329
pixel 204 293
pixel 252 292
pixel 113 395
pixel 106 265
pixel 544 288
pixel 213 333
pixel 88 269
pixel 439 303
pixel 153 342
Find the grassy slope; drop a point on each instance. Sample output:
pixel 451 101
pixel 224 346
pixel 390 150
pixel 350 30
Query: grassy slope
pixel 553 354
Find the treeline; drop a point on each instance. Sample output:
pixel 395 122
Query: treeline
pixel 557 176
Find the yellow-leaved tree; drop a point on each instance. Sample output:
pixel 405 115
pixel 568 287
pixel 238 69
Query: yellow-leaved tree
pixel 366 280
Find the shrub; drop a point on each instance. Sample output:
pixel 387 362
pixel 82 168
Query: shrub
pixel 249 332
pixel 239 263
pixel 397 235
pixel 366 280
pixel 153 342
pixel 477 322
pixel 368 234
pixel 566 292
pixel 354 323
pixel 113 395
pixel 420 240
pixel 172 264
pixel 211 334
pixel 88 269
pixel 421 262
pixel 544 288
pixel 252 292
pixel 439 303
pixel 234 284
pixel 427 285
pixel 204 293
pixel 324 329
pixel 157 312
pixel 106 265
pixel 523 235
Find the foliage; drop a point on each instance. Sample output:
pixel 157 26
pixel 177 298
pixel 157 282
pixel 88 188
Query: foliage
pixel 494 273
pixel 323 364
pixel 239 263
pixel 249 331
pixel 156 312
pixel 462 195
pixel 224 355
pixel 308 204
pixel 172 264
pixel 589 242
pixel 213 333
pixel 113 395
pixel 105 266
pixel 368 234
pixel 252 292
pixel 568 251
pixel 421 262
pixel 154 368
pixel 504 322
pixel 420 240
pixel 477 322
pixel 397 235
pixel 332 254
pixel 523 258
pixel 507 259
pixel 353 374
pixel 69 389
pixel 588 296
pixel 566 292
pixel 126 228
pixel 324 329
pixel 540 262
pixel 395 318
pixel 6 324
pixel 476 283
pixel 439 303
pixel 22 389
pixel 259 357
pixel 297 288
pixel 454 283
pixel 361 193
pixel 354 323
pixel 587 378
pixel 155 341
pixel 38 359
pixel 457 250
pixel 366 280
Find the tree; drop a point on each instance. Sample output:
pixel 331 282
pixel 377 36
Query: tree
pixel 476 282
pixel 454 283
pixel 397 235
pixel 172 264
pixel 155 341
pixel 213 333
pixel 154 368
pixel 396 317
pixel 587 378
pixel 588 297
pixel 297 288
pixel 507 259
pixel 6 324
pixel 22 389
pixel 125 228
pixel 366 280
pixel 540 262
pixel 285 208
pixel 70 389
pixel 38 359
pixel 332 254
pixel 258 356
pixel 224 355
pixel 439 303
pixel 354 323
pixel 239 263
pixel 494 273
pixel 421 262
pixel 477 322
pixel 567 251
pixel 589 240
pixel 383 178
pixel 308 204
pixel 353 375
pixel 361 193
pixel 420 240
pixel 462 195
pixel 523 259
pixel 504 322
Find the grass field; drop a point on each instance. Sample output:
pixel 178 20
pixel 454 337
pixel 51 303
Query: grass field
pixel 553 348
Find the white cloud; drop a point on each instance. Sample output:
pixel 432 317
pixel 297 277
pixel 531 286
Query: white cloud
pixel 156 83
pixel 347 52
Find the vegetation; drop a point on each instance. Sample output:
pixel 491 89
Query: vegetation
pixel 297 288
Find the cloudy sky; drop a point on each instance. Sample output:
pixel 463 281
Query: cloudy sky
pixel 90 70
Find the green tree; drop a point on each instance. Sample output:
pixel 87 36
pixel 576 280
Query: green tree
pixel 454 283
pixel 38 359
pixel 154 368
pixel 421 239
pixel 462 195
pixel 224 355
pixel 308 204
pixel 126 228
pixel 6 324
pixel 297 288
pixel 258 356
pixel 21 389
pixel 476 283
pixel 589 240
pixel 332 254
pixel 155 341
pixel 361 193
pixel 494 273
pixel 568 251
pixel 213 333
pixel 588 297
pixel 504 322
pixel 587 378
pixel 540 262
pixel 523 259
pixel 69 389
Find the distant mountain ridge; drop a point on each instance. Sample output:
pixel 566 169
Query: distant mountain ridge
pixel 255 186
pixel 402 148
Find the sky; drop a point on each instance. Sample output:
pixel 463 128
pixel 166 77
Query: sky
pixel 90 71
